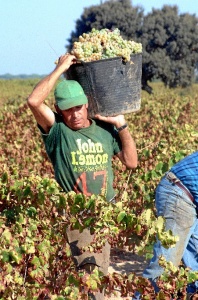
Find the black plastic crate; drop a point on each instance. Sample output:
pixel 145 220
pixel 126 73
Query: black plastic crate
pixel 112 86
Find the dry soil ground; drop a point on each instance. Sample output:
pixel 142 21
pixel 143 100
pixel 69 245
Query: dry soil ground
pixel 123 261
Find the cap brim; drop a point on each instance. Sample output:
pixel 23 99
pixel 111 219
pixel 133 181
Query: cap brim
pixel 64 104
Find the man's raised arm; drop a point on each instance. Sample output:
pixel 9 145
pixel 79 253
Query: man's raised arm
pixel 42 113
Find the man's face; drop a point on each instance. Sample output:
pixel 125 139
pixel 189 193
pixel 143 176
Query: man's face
pixel 76 117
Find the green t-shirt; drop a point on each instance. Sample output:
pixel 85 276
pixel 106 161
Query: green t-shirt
pixel 82 159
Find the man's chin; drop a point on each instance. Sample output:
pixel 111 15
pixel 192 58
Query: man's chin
pixel 76 126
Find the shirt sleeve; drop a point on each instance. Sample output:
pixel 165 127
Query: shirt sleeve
pixel 117 145
pixel 49 139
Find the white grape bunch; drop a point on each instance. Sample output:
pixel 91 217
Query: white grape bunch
pixel 102 44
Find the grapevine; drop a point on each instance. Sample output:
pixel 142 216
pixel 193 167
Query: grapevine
pixel 103 44
pixel 35 258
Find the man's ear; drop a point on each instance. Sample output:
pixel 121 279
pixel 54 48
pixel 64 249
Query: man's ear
pixel 86 105
pixel 58 110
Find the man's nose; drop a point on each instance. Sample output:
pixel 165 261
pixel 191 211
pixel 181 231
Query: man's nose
pixel 74 113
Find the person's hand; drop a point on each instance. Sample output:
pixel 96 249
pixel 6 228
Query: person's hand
pixel 65 61
pixel 117 121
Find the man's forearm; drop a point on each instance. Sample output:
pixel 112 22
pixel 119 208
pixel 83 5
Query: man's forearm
pixel 129 151
pixel 45 86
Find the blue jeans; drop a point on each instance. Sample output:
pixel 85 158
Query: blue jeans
pixel 180 216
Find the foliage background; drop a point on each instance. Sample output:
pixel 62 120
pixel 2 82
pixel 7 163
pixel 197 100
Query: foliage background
pixel 34 255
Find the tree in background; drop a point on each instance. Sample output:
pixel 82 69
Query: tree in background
pixel 170 40
pixel 110 14
pixel 170 45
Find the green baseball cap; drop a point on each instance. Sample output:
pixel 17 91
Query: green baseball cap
pixel 69 93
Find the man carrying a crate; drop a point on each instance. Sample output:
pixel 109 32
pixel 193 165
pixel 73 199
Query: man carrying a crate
pixel 81 150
